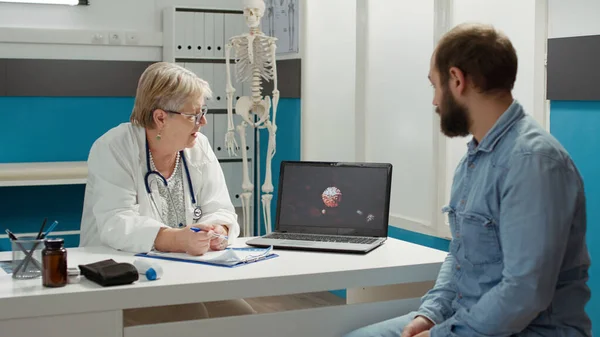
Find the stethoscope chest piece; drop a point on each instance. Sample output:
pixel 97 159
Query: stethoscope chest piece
pixel 197 213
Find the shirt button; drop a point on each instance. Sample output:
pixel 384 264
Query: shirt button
pixel 459 295
pixel 471 166
pixel 462 202
pixel 458 267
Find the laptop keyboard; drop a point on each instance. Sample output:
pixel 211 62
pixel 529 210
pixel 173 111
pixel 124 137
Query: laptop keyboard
pixel 320 238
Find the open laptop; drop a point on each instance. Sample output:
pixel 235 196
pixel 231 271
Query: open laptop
pixel 330 206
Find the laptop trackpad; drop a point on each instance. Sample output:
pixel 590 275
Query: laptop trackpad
pixel 298 243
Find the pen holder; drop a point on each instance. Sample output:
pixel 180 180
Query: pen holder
pixel 27 258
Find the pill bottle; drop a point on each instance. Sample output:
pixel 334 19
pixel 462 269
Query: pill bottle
pixel 153 271
pixel 54 263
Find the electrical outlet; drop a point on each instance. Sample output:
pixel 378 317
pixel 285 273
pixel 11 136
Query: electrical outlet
pixel 132 38
pixel 115 38
pixel 98 38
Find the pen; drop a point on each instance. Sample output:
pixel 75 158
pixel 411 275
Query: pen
pixel 50 229
pixel 11 235
pixel 39 236
pixel 196 229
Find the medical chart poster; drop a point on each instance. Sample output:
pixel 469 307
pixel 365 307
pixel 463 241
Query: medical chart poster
pixel 281 20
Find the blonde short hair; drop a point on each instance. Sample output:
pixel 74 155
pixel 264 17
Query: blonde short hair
pixel 166 86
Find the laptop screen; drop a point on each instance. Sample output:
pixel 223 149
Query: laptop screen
pixel 334 198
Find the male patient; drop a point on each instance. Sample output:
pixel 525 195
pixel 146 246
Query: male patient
pixel 518 261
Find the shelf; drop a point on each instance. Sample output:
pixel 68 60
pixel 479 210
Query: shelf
pixel 203 60
pixel 49 173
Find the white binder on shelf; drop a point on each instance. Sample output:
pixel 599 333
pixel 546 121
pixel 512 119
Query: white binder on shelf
pixel 196 68
pixel 188 19
pixel 179 35
pixel 220 129
pixel 209 34
pixel 207 74
pixel 199 45
pixel 231 27
pixel 208 129
pixel 219 83
pixel 219 32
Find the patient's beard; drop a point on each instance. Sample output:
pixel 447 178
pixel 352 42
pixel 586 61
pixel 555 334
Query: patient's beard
pixel 454 117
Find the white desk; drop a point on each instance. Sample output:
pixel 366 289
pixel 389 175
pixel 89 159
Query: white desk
pixel 87 309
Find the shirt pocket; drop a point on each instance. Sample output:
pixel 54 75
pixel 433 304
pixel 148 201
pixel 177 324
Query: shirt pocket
pixel 451 217
pixel 480 238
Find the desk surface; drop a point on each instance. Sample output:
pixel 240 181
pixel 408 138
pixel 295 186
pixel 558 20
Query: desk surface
pixel 292 272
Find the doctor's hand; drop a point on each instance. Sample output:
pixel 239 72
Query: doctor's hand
pixel 195 243
pixel 219 243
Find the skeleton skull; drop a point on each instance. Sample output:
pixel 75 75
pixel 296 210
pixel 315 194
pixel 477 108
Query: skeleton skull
pixel 253 12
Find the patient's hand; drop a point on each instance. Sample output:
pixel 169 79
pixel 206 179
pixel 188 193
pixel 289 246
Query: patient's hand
pixel 418 327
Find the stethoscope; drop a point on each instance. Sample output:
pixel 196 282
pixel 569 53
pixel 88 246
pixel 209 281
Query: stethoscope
pixel 197 209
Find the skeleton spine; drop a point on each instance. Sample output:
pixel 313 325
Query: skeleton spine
pixel 256 88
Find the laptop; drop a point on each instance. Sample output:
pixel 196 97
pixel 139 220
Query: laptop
pixel 331 206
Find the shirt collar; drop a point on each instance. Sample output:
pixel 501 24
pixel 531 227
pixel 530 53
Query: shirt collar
pixel 503 124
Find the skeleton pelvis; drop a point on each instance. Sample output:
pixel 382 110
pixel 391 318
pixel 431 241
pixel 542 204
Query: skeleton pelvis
pixel 245 107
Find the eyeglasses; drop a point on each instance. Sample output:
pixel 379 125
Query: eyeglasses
pixel 197 117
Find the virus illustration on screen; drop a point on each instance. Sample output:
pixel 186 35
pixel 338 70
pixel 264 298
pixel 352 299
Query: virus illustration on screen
pixel 370 217
pixel 332 196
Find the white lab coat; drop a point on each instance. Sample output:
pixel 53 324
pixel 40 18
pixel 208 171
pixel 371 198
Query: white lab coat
pixel 117 210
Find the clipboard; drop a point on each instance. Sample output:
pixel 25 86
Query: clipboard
pixel 252 259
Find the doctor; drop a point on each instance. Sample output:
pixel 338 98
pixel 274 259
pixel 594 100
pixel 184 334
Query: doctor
pixel 151 180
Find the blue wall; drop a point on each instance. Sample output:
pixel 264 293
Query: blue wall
pixel 37 129
pixel 576 124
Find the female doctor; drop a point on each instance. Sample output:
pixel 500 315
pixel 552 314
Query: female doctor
pixel 151 180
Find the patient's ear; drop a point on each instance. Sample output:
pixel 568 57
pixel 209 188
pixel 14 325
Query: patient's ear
pixel 457 81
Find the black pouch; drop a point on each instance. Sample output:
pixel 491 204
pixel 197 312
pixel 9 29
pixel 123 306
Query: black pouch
pixel 109 272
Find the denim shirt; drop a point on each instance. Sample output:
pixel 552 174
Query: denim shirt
pixel 518 261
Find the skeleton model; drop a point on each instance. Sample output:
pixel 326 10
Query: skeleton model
pixel 255 59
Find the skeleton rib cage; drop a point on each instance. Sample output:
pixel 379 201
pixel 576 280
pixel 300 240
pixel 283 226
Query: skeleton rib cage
pixel 261 48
